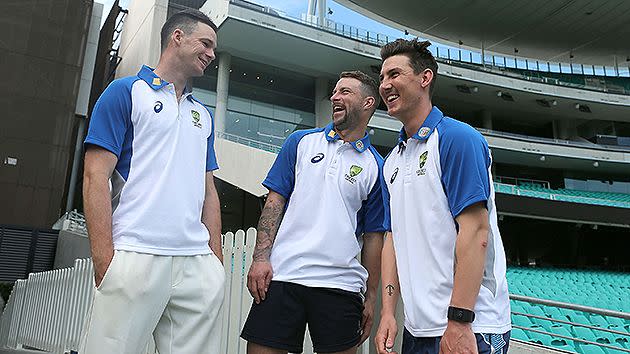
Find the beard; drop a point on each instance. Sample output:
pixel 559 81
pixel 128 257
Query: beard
pixel 349 121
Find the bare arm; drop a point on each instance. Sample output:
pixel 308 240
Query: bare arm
pixel 211 216
pixel 371 260
pixel 388 328
pixel 97 204
pixel 470 255
pixel 260 273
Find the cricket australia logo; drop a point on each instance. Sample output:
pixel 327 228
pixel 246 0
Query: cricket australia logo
pixel 423 160
pixel 354 171
pixel 196 118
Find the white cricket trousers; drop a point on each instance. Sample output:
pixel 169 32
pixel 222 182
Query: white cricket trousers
pixel 176 298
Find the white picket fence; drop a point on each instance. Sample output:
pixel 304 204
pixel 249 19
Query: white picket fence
pixel 47 310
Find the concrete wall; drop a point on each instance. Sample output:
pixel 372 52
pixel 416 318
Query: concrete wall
pixel 140 39
pixel 41 58
pixel 70 246
pixel 243 166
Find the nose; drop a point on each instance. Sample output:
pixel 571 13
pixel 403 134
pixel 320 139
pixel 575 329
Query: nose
pixel 210 54
pixel 385 85
pixel 334 97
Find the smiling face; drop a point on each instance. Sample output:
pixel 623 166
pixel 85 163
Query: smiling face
pixel 347 102
pixel 401 89
pixel 196 50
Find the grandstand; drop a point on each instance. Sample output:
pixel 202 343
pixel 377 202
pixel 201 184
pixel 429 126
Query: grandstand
pixel 558 125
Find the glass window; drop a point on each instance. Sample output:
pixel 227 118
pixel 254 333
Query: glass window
pixel 520 64
pixel 455 54
pixel 577 69
pixel 433 50
pixel 610 71
pixel 476 58
pixel 624 71
pixel 554 67
pixel 588 70
pixel 510 62
pixel 543 66
pixel 599 70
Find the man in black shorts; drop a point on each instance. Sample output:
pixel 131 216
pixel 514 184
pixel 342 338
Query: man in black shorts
pixel 325 206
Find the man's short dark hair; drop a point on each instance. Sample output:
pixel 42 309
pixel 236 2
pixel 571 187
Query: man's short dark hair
pixel 369 86
pixel 420 58
pixel 185 20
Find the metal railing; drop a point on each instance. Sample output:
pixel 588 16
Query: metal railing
pixel 72 221
pixel 249 142
pixel 526 192
pixel 581 308
pixel 561 142
pixel 47 311
pixel 497 64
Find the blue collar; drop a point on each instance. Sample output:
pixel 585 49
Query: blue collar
pixel 427 128
pixel 359 145
pixel 154 81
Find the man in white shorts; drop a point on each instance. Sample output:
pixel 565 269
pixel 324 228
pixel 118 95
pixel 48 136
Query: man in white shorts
pixel 156 236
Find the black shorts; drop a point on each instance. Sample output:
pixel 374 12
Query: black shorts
pixel 333 317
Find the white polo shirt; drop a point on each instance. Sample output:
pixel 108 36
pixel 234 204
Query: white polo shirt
pixel 333 196
pixel 164 148
pixel 428 180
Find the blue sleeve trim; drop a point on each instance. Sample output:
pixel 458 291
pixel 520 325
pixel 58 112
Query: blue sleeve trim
pixel 211 158
pixel 371 216
pixel 281 176
pixel 387 220
pixel 111 116
pixel 464 161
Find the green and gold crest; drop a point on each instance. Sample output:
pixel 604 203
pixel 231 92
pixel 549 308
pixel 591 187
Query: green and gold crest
pixel 423 158
pixel 355 170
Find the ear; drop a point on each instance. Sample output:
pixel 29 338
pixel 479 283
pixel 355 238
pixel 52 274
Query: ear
pixel 427 78
pixel 177 36
pixel 369 102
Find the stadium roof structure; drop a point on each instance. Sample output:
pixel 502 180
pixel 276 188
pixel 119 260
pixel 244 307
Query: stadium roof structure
pixel 579 31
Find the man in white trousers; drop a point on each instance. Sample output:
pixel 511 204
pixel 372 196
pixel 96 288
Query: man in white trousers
pixel 156 235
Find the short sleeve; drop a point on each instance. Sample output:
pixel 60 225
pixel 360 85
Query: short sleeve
pixel 111 116
pixel 211 158
pixel 281 176
pixel 464 162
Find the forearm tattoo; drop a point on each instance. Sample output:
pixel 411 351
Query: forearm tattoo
pixel 390 289
pixel 268 225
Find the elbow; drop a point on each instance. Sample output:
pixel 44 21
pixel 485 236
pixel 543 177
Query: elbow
pixel 481 235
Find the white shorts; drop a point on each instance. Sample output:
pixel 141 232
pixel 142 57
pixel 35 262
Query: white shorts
pixel 177 299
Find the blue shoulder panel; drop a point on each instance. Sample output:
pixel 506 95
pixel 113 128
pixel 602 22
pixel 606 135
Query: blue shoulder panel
pixel 464 160
pixel 387 219
pixel 110 122
pixel 211 158
pixel 281 176
pixel 371 216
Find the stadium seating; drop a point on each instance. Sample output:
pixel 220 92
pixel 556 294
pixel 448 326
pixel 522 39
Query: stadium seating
pixel 607 290
pixel 619 200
